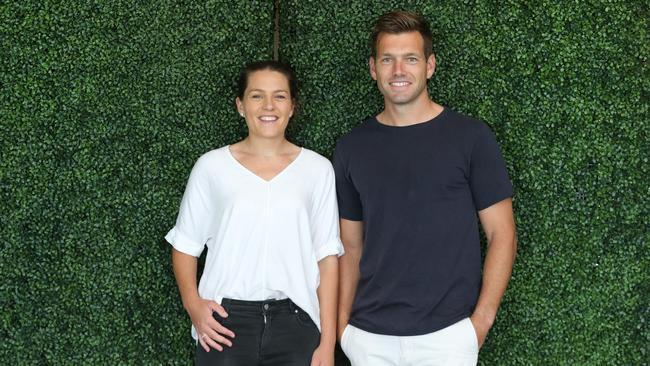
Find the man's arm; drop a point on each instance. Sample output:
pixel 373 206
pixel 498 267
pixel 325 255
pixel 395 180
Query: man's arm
pixel 352 238
pixel 499 226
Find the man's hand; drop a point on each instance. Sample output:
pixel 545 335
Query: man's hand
pixel 341 329
pixel 211 333
pixel 323 356
pixel 482 325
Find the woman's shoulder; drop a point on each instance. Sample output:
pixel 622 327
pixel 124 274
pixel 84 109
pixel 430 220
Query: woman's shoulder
pixel 316 166
pixel 213 158
pixel 315 158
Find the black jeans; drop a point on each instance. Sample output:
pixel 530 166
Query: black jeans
pixel 267 333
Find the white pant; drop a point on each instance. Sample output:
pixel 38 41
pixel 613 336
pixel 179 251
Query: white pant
pixel 455 345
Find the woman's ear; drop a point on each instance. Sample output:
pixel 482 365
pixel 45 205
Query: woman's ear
pixel 240 107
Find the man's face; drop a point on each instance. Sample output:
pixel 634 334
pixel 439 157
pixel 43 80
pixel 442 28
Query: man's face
pixel 400 68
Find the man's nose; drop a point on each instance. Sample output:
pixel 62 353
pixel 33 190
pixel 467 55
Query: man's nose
pixel 398 68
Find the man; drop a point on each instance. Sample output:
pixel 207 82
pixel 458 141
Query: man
pixel 410 182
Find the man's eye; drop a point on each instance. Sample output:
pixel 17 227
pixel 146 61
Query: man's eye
pixel 256 96
pixel 385 60
pixel 282 97
pixel 412 60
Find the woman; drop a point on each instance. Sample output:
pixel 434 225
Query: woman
pixel 266 210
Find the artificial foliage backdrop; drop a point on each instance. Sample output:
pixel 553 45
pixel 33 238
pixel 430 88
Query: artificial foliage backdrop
pixel 564 87
pixel 105 106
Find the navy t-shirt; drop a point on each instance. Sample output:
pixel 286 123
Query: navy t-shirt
pixel 417 190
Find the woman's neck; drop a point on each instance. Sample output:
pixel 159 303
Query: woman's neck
pixel 265 147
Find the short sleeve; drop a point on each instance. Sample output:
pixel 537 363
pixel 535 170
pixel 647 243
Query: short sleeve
pixel 190 233
pixel 488 179
pixel 325 218
pixel 348 198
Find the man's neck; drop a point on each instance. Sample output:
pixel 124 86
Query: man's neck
pixel 409 114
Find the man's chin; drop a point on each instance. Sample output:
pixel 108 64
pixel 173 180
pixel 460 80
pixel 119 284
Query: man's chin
pixel 401 100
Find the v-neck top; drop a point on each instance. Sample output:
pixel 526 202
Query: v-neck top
pixel 237 162
pixel 264 238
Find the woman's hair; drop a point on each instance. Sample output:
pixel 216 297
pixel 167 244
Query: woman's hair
pixel 278 66
pixel 401 21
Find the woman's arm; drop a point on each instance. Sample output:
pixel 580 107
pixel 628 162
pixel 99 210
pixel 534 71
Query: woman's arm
pixel 210 332
pixel 327 298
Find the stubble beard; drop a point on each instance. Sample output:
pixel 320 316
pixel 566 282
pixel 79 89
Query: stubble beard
pixel 400 100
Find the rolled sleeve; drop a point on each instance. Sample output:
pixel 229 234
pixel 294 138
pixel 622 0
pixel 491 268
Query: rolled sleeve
pixel 192 228
pixel 325 229
pixel 183 243
pixel 332 247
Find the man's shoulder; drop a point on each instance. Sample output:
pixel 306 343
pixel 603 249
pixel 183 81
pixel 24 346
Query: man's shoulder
pixel 463 121
pixel 357 134
pixel 466 128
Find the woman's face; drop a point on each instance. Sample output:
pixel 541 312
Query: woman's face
pixel 267 104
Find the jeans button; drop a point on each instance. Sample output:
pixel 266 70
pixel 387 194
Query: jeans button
pixel 266 306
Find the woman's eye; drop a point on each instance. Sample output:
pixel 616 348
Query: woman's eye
pixel 281 97
pixel 256 96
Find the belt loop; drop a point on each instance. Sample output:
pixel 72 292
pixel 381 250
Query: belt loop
pixel 292 306
pixel 225 302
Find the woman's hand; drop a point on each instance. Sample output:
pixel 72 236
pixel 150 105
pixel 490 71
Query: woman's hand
pixel 211 333
pixel 323 356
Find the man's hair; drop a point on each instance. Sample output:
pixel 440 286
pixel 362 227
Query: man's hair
pixel 277 66
pixel 401 21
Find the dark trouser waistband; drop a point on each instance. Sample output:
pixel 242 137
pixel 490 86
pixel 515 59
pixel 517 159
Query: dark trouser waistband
pixel 262 306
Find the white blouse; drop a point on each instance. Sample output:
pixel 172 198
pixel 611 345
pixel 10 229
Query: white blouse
pixel 264 238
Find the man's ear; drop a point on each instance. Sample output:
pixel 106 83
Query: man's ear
pixel 431 65
pixel 373 69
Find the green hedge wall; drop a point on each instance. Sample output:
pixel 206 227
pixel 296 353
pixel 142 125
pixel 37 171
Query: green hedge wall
pixel 564 87
pixel 106 105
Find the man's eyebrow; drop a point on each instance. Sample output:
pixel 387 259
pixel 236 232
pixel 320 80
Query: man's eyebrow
pixel 410 54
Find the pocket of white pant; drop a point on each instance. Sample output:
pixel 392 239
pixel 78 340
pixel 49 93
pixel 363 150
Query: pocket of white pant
pixel 473 332
pixel 344 337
